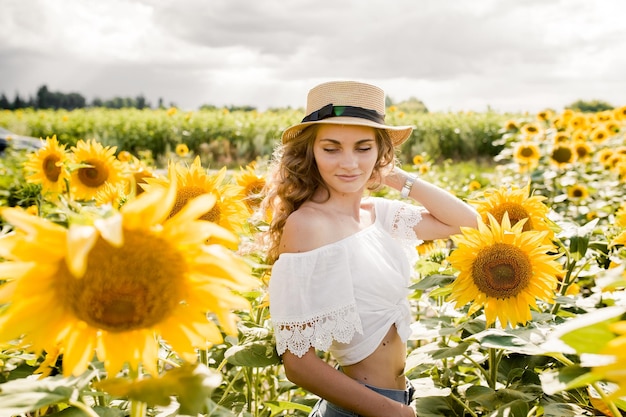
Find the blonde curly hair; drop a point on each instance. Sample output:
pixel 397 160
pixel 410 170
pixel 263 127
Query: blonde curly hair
pixel 293 178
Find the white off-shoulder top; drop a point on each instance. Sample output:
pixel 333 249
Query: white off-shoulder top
pixel 343 297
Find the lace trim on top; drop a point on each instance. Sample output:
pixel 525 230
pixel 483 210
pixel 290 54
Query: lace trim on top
pixel 404 220
pixel 318 332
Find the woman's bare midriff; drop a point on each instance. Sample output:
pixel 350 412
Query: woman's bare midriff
pixel 385 367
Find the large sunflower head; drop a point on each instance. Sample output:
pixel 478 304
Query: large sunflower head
pixel 503 269
pixel 121 285
pixel 518 205
pixel 229 211
pixel 97 165
pixel 47 166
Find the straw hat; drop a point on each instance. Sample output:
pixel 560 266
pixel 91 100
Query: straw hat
pixel 347 103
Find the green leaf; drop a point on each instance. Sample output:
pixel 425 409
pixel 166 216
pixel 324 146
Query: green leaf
pixel 434 407
pixel 101 411
pixel 565 379
pixel 255 354
pixel 436 280
pixel 484 396
pixel 589 333
pixel 431 327
pixel 255 349
pixel 502 339
pixel 27 395
pixel 277 407
pixel 192 384
pixel 450 352
pixel 516 408
pixel 562 410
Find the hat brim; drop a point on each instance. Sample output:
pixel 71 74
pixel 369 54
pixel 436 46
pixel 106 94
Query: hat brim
pixel 398 134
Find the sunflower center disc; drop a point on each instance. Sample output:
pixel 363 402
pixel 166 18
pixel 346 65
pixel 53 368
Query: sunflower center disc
pixel 51 170
pixel 93 176
pixel 516 213
pixel 132 287
pixel 501 270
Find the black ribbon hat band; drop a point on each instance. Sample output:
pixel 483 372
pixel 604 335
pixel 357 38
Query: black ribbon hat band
pixel 346 111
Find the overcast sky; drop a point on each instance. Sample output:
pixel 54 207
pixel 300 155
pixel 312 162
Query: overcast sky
pixel 510 55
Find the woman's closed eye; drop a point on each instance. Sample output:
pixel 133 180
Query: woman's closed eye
pixel 359 149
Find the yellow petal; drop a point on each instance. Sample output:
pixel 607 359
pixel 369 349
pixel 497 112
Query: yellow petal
pixel 111 230
pixel 80 241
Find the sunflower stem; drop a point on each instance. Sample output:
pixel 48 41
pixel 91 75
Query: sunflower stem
pixel 610 404
pixel 567 280
pixel 203 357
pixel 462 404
pixel 83 407
pixel 137 408
pixel 493 367
pixel 479 366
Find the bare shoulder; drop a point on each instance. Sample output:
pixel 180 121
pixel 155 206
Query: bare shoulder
pixel 306 229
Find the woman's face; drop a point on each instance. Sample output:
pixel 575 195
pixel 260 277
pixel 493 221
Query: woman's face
pixel 345 156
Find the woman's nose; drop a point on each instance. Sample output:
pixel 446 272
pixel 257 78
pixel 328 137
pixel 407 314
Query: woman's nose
pixel 349 159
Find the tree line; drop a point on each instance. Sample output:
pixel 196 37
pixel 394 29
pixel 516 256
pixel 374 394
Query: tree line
pixel 46 99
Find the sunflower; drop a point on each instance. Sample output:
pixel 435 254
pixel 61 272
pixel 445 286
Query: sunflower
pixel 97 166
pixel 122 285
pixel 474 185
pixel 612 126
pixel 577 192
pixel 620 113
pixel 518 205
pixel 511 125
pixel 583 151
pixel 578 121
pixel 527 153
pixel 229 211
pixel 182 150
pixel 579 135
pixel 252 185
pixel 605 155
pixel 562 155
pixel 46 166
pixel 530 129
pixel 600 134
pixel 418 159
pixel 605 116
pixel 503 269
pixel 561 137
pixel 545 115
pixel 115 195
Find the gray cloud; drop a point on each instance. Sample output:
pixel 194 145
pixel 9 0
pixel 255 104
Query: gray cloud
pixel 453 54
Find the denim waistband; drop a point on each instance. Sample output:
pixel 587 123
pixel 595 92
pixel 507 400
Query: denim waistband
pixel 401 396
pixel 324 408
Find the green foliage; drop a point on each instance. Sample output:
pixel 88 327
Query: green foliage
pixel 234 138
pixel 590 106
pixel 459 366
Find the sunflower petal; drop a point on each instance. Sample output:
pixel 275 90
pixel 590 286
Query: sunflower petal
pixel 80 241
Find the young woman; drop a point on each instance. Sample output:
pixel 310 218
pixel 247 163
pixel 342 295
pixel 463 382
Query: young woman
pixel 342 261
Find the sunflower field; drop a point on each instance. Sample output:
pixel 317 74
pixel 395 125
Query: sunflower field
pixel 132 281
